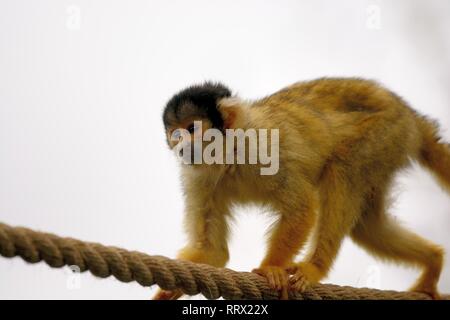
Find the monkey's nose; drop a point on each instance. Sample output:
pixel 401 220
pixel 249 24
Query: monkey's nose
pixel 180 153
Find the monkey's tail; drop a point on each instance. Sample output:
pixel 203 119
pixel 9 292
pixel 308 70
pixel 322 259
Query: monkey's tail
pixel 434 153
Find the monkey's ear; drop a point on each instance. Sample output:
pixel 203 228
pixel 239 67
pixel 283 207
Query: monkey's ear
pixel 231 111
pixel 229 117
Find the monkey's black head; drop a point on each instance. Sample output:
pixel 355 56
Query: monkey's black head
pixel 196 102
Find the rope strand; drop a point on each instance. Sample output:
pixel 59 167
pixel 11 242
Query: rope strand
pixel 104 261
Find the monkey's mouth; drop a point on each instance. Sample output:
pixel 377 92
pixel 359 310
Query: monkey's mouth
pixel 190 155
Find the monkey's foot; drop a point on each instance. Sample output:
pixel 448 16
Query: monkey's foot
pixel 168 295
pixel 427 289
pixel 304 274
pixel 277 278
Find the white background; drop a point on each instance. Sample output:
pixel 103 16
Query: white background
pixel 83 84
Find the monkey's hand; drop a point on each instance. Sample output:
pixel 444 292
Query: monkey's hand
pixel 304 274
pixel 167 295
pixel 277 278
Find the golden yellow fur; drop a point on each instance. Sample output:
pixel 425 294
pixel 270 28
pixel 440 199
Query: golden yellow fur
pixel 341 142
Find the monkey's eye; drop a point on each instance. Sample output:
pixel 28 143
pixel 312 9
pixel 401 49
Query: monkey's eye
pixel 176 135
pixel 192 128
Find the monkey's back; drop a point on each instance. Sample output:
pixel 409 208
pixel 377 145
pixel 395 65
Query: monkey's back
pixel 350 120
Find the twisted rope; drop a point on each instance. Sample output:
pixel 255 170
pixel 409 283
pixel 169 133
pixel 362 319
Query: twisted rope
pixel 104 261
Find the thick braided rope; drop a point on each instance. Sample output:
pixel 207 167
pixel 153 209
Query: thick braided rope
pixel 104 261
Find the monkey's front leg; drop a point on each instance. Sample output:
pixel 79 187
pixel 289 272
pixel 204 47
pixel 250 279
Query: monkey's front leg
pixel 207 230
pixel 340 209
pixel 286 240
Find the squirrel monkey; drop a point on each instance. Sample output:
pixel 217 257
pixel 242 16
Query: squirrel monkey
pixel 341 141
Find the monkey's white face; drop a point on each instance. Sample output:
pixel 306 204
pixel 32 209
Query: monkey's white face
pixel 187 140
pixel 196 142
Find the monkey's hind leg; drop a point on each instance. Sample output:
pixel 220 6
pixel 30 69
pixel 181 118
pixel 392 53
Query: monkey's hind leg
pixel 382 236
